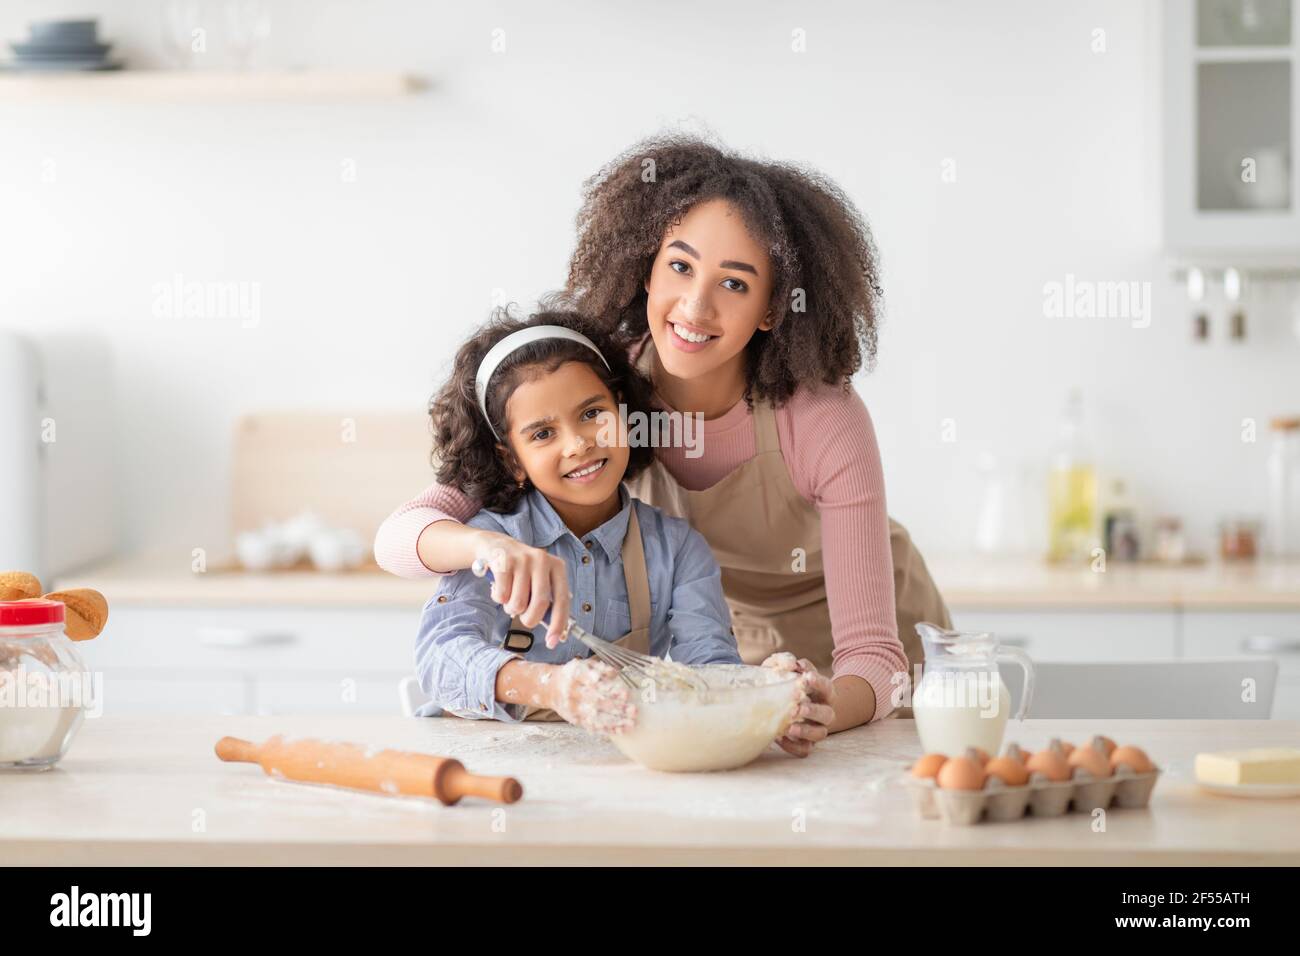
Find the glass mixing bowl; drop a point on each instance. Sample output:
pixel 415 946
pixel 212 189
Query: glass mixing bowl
pixel 744 710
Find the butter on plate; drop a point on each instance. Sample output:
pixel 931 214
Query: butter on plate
pixel 1235 767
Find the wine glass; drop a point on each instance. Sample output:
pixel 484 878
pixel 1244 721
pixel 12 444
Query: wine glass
pixel 183 31
pixel 248 24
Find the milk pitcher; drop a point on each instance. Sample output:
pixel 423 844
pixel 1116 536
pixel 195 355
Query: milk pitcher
pixel 962 700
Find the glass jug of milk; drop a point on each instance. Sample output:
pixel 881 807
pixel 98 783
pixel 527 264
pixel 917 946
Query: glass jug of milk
pixel 962 700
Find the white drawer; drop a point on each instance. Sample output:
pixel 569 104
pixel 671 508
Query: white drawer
pixel 159 691
pixel 331 694
pixel 1079 635
pixel 1286 701
pixel 257 640
pixel 1273 634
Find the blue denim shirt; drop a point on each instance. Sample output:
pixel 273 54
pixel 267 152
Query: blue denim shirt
pixel 458 649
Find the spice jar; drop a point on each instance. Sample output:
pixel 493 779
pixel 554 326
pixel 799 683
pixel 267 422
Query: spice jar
pixel 1169 545
pixel 1238 539
pixel 44 687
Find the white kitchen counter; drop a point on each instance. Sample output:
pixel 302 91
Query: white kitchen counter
pixel 151 791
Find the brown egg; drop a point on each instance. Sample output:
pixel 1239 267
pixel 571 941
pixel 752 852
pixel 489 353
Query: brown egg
pixel 1050 763
pixel 980 753
pixel 961 773
pixel 1014 752
pixel 1090 759
pixel 1009 770
pixel 928 766
pixel 1133 758
pixel 1107 745
pixel 1067 748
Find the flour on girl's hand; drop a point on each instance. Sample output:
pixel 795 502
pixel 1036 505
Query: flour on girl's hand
pixel 592 695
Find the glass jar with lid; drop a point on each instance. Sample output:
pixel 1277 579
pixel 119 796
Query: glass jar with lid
pixel 1283 528
pixel 44 686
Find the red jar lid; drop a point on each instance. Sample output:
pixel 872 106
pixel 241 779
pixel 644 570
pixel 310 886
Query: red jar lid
pixel 32 612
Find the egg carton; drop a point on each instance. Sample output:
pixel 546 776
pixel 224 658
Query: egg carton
pixel 998 802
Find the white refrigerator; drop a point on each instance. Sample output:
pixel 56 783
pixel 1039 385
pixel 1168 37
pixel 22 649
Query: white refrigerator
pixel 57 428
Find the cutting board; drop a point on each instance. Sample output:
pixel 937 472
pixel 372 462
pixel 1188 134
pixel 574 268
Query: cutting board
pixel 352 470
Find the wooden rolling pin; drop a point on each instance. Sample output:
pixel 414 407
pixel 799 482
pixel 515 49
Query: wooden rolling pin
pixel 353 766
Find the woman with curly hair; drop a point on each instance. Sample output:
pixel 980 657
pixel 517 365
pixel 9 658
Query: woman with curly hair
pixel 748 292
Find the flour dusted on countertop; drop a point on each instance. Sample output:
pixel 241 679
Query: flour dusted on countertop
pixel 570 775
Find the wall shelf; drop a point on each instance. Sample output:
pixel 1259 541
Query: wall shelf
pixel 204 84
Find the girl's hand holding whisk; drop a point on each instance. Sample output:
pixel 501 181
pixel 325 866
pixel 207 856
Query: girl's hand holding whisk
pixel 526 582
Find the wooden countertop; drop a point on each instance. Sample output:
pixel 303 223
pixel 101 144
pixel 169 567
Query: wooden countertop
pixel 150 791
pixel 1027 583
pixel 159 581
pixel 1006 583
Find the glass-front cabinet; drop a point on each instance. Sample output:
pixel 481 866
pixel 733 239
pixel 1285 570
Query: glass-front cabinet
pixel 1231 113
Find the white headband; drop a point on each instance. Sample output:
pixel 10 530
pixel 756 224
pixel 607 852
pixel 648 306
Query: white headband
pixel 517 340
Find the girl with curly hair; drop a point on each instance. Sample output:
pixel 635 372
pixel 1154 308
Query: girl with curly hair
pixel 533 424
pixel 747 291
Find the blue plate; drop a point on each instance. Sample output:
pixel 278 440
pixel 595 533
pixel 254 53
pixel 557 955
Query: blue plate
pixel 50 51
pixel 60 66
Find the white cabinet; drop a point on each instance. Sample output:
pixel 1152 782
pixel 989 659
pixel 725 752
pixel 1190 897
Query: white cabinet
pixel 253 660
pixel 153 691
pixel 1082 635
pixel 329 694
pixel 1271 634
pixel 1078 635
pixel 1231 122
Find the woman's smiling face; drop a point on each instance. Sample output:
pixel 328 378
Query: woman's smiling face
pixel 708 291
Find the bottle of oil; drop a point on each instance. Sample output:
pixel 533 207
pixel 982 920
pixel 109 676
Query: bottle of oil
pixel 1072 489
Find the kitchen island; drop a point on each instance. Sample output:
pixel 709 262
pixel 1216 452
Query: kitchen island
pixel 149 790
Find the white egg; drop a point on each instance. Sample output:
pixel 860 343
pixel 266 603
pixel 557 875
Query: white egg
pixel 354 548
pixel 328 551
pixel 255 551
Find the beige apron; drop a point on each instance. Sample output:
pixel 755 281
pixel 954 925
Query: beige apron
pixel 638 602
pixel 767 538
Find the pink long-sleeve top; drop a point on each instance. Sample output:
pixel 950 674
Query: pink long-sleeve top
pixel 829 446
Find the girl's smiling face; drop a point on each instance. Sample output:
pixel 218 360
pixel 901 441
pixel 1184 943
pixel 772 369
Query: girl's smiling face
pixel 708 292
pixel 556 420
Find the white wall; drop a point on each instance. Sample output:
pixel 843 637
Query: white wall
pixel 471 187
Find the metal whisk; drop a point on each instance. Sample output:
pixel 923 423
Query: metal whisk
pixel 635 668
pixel 638 669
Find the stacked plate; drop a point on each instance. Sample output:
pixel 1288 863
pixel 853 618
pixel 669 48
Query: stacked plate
pixel 62 45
